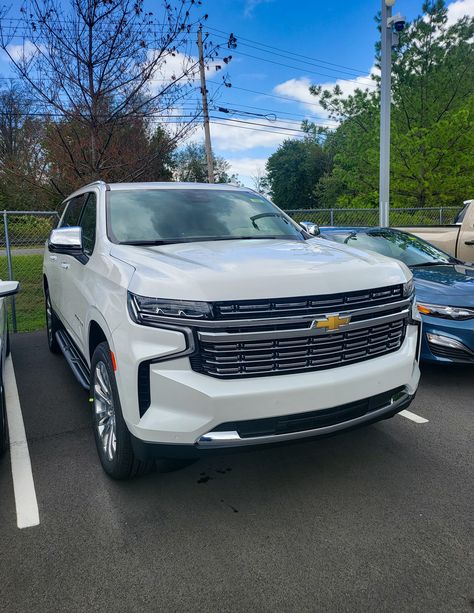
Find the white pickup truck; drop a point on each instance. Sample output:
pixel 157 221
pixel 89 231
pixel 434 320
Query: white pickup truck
pixel 203 318
pixel 456 239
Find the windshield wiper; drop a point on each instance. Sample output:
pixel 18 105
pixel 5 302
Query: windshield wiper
pixel 350 237
pixel 152 242
pixel 262 215
pixel 204 239
pixel 428 264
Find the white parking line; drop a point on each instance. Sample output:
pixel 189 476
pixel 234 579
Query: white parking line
pixel 413 417
pixel 23 485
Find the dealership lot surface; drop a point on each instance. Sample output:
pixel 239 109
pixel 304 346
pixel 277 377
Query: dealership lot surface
pixel 378 519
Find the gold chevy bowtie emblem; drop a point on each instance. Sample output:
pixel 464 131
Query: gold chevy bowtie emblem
pixel 332 322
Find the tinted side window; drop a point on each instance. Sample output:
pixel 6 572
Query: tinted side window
pixel 462 214
pixel 72 213
pixel 87 223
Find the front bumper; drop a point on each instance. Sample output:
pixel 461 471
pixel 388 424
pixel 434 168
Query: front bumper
pixel 185 405
pixel 227 441
pixel 461 331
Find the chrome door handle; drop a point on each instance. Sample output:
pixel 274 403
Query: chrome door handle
pixel 53 257
pixel 64 265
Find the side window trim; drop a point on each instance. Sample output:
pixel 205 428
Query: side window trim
pixel 89 197
pixel 66 210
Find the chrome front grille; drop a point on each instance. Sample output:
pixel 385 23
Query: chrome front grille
pixel 290 335
pixel 299 353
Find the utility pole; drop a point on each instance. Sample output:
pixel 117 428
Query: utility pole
pixel 205 110
pixel 385 104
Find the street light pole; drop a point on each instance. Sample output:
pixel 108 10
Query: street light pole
pixel 385 103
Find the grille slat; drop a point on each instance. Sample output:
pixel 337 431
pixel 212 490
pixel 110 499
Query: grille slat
pixel 311 305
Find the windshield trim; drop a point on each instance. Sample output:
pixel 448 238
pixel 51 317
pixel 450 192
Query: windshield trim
pixel 280 213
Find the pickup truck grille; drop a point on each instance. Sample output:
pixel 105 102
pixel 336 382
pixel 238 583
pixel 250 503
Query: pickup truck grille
pixel 262 347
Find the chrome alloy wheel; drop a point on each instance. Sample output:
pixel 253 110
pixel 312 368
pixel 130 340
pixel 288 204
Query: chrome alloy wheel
pixel 104 411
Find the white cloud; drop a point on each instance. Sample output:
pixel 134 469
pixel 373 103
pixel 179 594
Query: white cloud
pixel 174 66
pixel 25 50
pixel 298 89
pixel 250 5
pixel 231 136
pixel 457 10
pixel 247 167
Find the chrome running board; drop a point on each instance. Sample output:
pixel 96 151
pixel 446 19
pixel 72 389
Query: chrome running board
pixel 73 358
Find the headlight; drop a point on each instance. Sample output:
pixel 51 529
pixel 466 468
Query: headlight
pixel 147 310
pixel 408 288
pixel 446 312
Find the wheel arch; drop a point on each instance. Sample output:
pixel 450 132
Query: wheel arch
pixel 96 336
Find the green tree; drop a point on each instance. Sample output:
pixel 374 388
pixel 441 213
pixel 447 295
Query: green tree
pixel 293 172
pixel 22 162
pixel 190 164
pixel 432 161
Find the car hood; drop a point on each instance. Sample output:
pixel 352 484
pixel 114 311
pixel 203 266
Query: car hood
pixel 446 284
pixel 249 269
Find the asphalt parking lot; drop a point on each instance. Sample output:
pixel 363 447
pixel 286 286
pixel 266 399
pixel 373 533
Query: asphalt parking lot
pixel 378 519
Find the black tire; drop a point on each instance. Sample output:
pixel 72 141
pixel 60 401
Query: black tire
pixel 3 422
pixel 119 462
pixel 52 324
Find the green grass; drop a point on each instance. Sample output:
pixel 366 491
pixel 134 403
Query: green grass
pixel 27 269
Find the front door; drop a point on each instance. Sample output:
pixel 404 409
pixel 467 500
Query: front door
pixel 79 277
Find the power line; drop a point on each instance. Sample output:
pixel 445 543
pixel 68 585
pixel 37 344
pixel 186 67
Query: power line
pixel 257 129
pixel 255 123
pixel 252 91
pixel 321 74
pixel 348 72
pixel 299 55
pixel 271 126
pixel 276 112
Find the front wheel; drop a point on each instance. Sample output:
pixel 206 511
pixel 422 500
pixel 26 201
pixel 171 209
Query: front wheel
pixel 112 437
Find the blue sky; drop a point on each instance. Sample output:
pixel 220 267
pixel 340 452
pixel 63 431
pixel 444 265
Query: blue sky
pixel 270 85
pixel 333 32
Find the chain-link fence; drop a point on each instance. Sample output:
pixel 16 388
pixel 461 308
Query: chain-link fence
pixel 24 233
pixel 22 240
pixel 429 216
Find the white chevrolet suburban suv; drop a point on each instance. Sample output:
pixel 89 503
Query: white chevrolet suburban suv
pixel 204 318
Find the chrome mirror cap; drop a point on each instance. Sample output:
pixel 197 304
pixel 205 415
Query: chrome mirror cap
pixel 310 228
pixel 66 239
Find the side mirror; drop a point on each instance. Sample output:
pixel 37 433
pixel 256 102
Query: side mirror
pixel 8 288
pixel 310 228
pixel 66 240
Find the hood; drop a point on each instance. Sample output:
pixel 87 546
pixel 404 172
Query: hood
pixel 445 284
pixel 249 269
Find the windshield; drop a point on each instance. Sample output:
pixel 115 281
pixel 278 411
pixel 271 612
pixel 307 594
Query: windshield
pixel 409 249
pixel 157 216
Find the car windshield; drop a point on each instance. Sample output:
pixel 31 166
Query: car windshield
pixel 402 246
pixel 160 216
